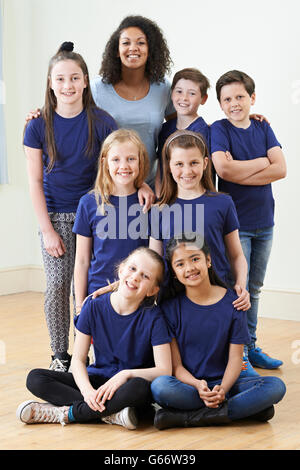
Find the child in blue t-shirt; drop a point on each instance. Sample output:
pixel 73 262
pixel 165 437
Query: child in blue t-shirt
pixel 207 348
pixel 190 203
pixel 248 158
pixel 109 222
pixel 131 343
pixel 189 91
pixel 62 148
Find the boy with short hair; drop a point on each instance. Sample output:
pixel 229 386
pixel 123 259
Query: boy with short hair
pixel 248 158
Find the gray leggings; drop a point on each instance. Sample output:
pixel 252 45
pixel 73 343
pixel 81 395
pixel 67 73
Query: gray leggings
pixel 59 275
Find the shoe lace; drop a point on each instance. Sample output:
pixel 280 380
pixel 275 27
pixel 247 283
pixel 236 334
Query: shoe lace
pixel 116 418
pixel 112 419
pixel 263 352
pixel 50 414
pixel 245 365
pixel 58 365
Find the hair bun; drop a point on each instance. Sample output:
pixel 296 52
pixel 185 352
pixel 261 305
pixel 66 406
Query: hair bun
pixel 66 46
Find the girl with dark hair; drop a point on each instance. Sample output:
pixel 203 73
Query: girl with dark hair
pixel 207 349
pixel 62 148
pixel 131 85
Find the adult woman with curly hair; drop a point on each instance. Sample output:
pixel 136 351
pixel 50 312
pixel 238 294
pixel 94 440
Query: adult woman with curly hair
pixel 131 85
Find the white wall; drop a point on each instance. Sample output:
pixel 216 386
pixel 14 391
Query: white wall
pixel 260 37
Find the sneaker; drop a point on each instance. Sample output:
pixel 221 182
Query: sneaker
pixel 259 358
pixel 247 369
pixel 31 412
pixel 125 417
pixel 60 365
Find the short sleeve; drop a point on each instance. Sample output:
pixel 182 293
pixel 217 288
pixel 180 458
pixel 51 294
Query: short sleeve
pixel 219 141
pixel 82 225
pixel 160 332
pixel 239 329
pixel 154 223
pixel 271 138
pixel 170 313
pixel 231 222
pixel 94 83
pixel 83 320
pixel 170 107
pixel 34 136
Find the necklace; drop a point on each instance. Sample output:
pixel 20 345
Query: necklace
pixel 132 93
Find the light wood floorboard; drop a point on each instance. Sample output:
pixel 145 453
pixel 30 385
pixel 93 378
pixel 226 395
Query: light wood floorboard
pixel 24 345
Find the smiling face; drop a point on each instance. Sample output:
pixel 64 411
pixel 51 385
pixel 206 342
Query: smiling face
pixel 236 103
pixel 190 265
pixel 68 83
pixel 187 166
pixel 133 48
pixel 138 277
pixel 123 166
pixel 187 97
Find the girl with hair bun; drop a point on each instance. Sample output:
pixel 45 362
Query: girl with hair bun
pixel 62 147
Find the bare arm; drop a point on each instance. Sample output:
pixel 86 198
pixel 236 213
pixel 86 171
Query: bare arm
pixel 156 245
pixel 157 183
pixel 231 374
pixel 52 241
pixel 275 171
pixel 179 371
pixel 237 171
pixel 81 268
pixel 182 374
pixel 239 268
pixel 234 366
pixel 146 197
pixel 79 371
pixel 163 366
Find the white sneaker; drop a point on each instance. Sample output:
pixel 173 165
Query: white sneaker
pixel 34 412
pixel 125 417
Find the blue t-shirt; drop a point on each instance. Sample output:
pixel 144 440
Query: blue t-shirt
pixel 199 125
pixel 204 333
pixel 145 116
pixel 212 215
pixel 254 204
pixel 121 230
pixel 121 341
pixel 74 172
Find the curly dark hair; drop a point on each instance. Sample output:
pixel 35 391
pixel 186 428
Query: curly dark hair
pixel 159 61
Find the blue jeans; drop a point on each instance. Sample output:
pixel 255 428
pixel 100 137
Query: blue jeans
pixel 256 246
pixel 248 396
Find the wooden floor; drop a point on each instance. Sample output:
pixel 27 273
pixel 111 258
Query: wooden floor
pixel 24 345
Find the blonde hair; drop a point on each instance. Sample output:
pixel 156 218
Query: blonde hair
pixel 104 185
pixel 183 139
pixel 160 274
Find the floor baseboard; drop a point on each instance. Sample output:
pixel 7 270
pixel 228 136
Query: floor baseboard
pixel 274 303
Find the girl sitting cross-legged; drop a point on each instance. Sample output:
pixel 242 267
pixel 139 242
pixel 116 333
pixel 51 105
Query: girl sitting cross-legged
pixel 131 345
pixel 207 349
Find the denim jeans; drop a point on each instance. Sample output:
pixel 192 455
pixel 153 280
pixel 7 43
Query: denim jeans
pixel 248 396
pixel 256 246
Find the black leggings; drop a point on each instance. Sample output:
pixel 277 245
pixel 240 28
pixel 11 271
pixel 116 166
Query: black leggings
pixel 60 389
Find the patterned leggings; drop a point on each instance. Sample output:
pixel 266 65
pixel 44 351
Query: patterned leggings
pixel 59 274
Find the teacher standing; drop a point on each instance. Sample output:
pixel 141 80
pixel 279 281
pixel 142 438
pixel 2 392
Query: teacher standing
pixel 131 85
